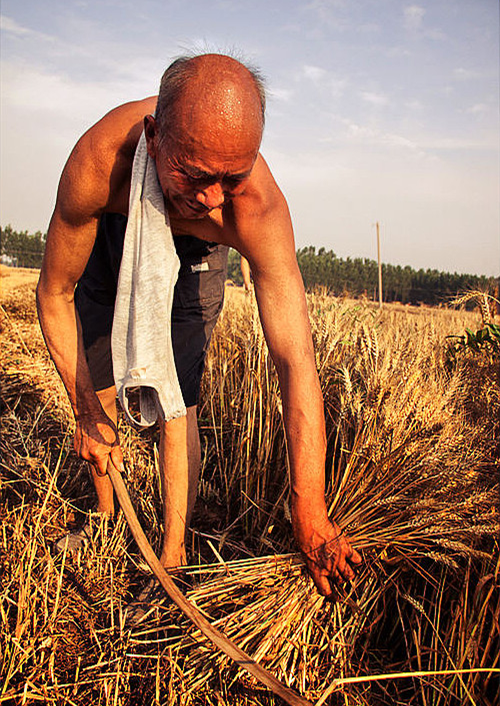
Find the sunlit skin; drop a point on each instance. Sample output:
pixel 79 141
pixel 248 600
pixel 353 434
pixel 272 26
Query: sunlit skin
pixel 207 156
pixel 196 180
pixel 219 188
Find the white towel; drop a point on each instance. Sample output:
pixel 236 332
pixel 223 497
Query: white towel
pixel 141 339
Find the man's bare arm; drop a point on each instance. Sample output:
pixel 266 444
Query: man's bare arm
pixel 267 242
pixel 82 196
pixel 96 179
pixel 95 438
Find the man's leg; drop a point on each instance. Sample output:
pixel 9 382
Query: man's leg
pixel 180 459
pixel 197 303
pixel 102 484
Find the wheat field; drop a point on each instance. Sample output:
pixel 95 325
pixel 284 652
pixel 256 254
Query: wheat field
pixel 412 477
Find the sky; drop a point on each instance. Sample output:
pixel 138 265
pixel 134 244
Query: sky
pixel 378 110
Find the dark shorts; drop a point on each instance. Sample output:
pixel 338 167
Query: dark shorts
pixel 198 299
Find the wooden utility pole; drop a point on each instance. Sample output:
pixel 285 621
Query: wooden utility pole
pixel 379 268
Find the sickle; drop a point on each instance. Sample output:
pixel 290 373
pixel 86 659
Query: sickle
pixel 218 638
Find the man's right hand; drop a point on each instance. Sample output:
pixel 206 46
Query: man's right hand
pixel 96 440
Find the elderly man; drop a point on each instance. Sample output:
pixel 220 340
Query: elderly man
pixel 204 139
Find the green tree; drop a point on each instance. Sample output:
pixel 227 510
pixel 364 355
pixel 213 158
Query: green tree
pixel 25 249
pixel 358 276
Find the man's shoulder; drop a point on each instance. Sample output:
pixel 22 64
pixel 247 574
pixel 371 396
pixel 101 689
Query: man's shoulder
pixel 116 133
pixel 97 174
pixel 263 196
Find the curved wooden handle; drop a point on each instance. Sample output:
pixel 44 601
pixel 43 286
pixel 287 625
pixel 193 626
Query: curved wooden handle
pixel 218 638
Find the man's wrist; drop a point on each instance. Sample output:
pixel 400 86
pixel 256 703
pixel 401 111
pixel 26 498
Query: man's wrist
pixel 89 408
pixel 308 509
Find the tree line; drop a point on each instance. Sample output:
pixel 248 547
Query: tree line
pixel 359 277
pixel 354 276
pixel 20 248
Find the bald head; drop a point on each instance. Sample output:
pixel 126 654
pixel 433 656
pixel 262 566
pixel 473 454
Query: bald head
pixel 206 135
pixel 211 94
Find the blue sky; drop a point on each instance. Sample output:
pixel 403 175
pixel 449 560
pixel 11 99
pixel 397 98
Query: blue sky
pixel 379 110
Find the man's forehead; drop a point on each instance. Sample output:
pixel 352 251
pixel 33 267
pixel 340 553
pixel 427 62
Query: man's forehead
pixel 209 164
pixel 213 127
pixel 209 153
pixel 197 172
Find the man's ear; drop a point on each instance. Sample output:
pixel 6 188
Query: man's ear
pixel 150 132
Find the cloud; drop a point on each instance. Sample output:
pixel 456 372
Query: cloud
pixel 414 105
pixel 314 73
pixel 378 138
pixel 7 24
pixel 28 88
pixel 83 51
pixel 427 211
pixel 328 13
pixel 60 109
pixel 377 99
pixel 462 74
pixel 319 77
pixel 413 17
pixel 369 28
pixel 461 144
pixel 281 94
pixel 436 34
pixel 478 109
pixel 291 28
pixel 396 52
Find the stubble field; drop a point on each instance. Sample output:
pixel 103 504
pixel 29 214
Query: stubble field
pixel 412 476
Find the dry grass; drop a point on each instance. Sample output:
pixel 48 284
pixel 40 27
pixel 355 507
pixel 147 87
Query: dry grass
pixel 412 476
pixel 14 277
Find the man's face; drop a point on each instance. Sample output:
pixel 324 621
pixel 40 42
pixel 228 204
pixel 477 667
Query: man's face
pixel 200 171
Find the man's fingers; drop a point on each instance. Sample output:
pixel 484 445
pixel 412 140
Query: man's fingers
pixel 116 457
pixel 350 553
pixel 340 571
pixel 355 557
pixel 101 465
pixel 347 574
pixel 322 584
pixel 332 562
pixel 98 443
pixel 342 566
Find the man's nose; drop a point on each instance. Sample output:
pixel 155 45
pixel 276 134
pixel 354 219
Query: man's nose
pixel 211 196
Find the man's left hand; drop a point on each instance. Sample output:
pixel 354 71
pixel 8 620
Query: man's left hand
pixel 328 555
